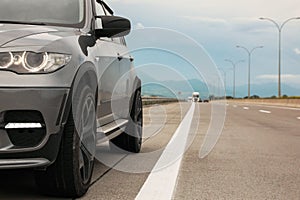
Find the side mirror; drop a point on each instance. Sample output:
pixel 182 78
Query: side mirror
pixel 113 26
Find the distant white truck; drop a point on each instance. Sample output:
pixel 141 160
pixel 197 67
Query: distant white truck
pixel 196 97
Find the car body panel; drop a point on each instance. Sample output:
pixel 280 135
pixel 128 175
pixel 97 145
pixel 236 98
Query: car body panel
pixel 51 93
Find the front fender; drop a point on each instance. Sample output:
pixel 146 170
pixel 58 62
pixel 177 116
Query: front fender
pixel 86 74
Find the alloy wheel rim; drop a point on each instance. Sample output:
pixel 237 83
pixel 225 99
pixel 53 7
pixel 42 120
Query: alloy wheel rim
pixel 87 139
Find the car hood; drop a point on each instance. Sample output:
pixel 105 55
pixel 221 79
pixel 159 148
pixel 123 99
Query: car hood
pixel 22 35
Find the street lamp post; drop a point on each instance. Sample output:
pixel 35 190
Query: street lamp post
pixel 233 65
pixel 249 65
pixel 279 27
pixel 224 75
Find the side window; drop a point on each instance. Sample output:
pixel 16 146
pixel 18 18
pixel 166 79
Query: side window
pixel 106 12
pixel 123 41
pixel 120 40
pixel 117 40
pixel 99 11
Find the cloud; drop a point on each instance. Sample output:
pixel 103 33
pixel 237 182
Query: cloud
pixel 297 51
pixel 139 26
pixel 221 25
pixel 205 19
pixel 248 24
pixel 279 10
pixel 286 78
pixel 238 24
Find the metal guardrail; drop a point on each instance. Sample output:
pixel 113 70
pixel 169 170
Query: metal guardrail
pixel 157 100
pixel 277 102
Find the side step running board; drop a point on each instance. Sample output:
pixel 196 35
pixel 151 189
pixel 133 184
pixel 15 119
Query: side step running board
pixel 111 130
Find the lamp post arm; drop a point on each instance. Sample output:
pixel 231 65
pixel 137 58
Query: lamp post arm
pixel 255 49
pixel 286 21
pixel 271 20
pixel 244 49
pixel 227 60
pixel 280 27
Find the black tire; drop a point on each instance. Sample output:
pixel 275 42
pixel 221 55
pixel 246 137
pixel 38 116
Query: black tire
pixel 70 175
pixel 131 139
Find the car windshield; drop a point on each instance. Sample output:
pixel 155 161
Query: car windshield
pixel 59 12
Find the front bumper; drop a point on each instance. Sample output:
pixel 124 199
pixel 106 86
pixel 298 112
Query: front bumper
pixel 31 147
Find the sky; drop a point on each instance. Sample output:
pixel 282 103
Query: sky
pixel 220 25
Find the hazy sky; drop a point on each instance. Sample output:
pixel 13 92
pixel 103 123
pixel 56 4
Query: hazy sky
pixel 220 25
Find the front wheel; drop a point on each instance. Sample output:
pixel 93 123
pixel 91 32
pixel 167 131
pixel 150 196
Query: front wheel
pixel 70 175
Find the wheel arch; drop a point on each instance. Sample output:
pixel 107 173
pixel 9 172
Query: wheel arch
pixel 86 74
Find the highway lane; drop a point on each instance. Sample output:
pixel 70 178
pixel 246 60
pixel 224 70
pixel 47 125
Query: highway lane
pixel 257 157
pixel 122 185
pixel 108 183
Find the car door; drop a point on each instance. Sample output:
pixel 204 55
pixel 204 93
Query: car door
pixel 123 91
pixel 108 69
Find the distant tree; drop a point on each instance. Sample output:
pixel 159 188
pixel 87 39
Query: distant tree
pixel 255 97
pixel 285 96
pixel 273 97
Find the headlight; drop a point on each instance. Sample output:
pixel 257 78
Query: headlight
pixel 6 60
pixel 34 62
pixel 31 62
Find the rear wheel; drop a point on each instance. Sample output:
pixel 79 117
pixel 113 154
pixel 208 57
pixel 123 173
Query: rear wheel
pixel 70 175
pixel 131 139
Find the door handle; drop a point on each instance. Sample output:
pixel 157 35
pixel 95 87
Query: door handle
pixel 120 57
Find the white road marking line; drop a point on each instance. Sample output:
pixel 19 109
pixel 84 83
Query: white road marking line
pixel 246 108
pixel 298 117
pixel 285 108
pixel 270 106
pixel 161 182
pixel 235 106
pixel 265 111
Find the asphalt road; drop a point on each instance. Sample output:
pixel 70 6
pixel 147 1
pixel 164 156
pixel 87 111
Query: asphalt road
pixel 257 157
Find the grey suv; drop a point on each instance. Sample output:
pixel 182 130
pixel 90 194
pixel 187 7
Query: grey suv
pixel 67 83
